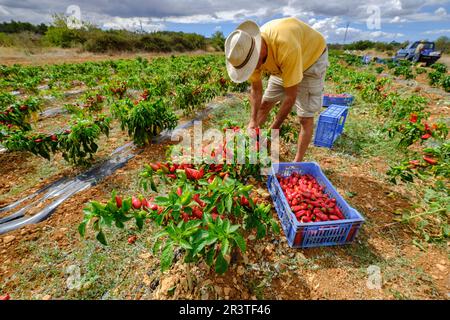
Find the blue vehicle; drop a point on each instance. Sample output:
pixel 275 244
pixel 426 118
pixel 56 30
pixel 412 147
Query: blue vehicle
pixel 427 54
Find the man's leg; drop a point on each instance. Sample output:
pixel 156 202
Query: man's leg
pixel 304 138
pixel 310 98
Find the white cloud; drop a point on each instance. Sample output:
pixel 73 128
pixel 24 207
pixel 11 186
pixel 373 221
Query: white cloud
pixel 134 24
pixel 3 11
pixel 434 32
pixel 397 19
pixel 441 11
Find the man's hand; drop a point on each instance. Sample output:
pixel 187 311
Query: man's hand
pixel 286 107
pixel 255 101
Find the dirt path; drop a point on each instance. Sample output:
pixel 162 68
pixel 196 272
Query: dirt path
pixel 10 56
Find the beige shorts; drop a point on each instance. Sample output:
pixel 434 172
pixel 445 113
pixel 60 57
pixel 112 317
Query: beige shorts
pixel 310 90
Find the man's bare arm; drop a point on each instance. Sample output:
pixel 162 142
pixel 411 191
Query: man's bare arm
pixel 286 107
pixel 255 101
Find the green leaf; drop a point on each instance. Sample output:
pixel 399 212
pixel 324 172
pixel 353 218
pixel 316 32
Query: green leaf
pixel 275 227
pixel 220 207
pixel 233 228
pixel 140 221
pixel 161 200
pixel 240 241
pixel 210 256
pixel 184 244
pixel 221 264
pixel 229 203
pixel 160 234
pixel 156 246
pixel 126 205
pixel 167 256
pixel 97 206
pixel 225 245
pixel 260 230
pixel 153 185
pixel 82 228
pixel 101 238
pixel 199 247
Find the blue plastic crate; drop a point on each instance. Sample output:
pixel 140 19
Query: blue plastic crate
pixel 312 234
pixel 347 100
pixel 366 59
pixel 330 125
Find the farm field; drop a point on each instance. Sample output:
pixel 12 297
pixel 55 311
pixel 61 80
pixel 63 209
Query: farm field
pixel 57 121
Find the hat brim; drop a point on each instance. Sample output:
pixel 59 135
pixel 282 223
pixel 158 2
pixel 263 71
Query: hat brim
pixel 244 73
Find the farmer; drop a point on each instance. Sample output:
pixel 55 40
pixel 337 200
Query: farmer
pixel 295 56
pixel 419 50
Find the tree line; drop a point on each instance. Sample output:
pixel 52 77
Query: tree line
pixel 91 38
pixel 94 39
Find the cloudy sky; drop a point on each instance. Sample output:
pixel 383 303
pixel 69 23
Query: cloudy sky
pixel 371 19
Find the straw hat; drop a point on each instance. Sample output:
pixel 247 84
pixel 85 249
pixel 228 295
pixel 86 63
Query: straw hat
pixel 242 49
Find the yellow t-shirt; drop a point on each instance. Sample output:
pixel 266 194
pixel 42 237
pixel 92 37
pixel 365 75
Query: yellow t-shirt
pixel 293 47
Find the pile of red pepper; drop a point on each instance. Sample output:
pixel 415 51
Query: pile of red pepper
pixel 307 199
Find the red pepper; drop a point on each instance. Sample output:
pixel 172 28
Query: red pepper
pixel 431 161
pixel 118 202
pixel 136 203
pixel 339 213
pixel 179 191
pixel 322 216
pixel 5 297
pixel 414 162
pixel 197 212
pixel 154 166
pixel 413 118
pixel 306 219
pixel 298 237
pixel 132 239
pixel 244 201
pixel 197 199
pixel 426 136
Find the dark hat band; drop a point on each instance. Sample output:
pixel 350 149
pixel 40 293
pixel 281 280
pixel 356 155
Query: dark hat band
pixel 252 47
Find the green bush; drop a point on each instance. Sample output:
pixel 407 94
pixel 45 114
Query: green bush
pixel 435 77
pixel 443 44
pixel 63 37
pixel 404 71
pixel 440 67
pixel 94 39
pixel 446 83
pixel 17 27
pixel 5 40
pixel 218 41
pixel 420 70
pixel 103 41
